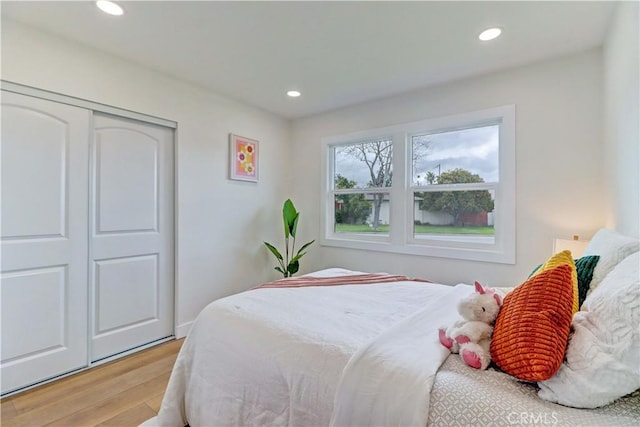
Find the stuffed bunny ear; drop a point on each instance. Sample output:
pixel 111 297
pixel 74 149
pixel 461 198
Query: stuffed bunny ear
pixel 480 289
pixel 498 299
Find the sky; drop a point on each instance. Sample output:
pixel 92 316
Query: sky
pixel 475 150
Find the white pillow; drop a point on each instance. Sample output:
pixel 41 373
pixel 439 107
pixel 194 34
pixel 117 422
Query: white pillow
pixel 612 247
pixel 603 355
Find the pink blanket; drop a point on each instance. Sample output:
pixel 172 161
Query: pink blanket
pixel 355 279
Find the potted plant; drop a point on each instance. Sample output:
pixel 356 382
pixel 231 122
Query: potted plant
pixel 289 266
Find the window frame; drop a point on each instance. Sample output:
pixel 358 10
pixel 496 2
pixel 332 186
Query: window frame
pixel 400 238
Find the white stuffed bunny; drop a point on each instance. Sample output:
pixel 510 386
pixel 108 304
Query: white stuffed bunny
pixel 471 335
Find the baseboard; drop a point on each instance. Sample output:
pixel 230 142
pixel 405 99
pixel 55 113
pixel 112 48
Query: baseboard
pixel 183 330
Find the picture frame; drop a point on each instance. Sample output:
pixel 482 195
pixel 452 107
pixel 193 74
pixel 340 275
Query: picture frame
pixel 243 158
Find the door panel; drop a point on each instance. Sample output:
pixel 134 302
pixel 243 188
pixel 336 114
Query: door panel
pixel 42 328
pixel 126 159
pixel 136 304
pixel 132 235
pixel 39 159
pixel 44 239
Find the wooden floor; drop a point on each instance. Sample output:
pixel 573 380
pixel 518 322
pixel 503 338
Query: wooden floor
pixel 122 393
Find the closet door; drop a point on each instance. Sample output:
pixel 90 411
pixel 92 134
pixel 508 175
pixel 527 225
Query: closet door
pixel 44 239
pixel 131 265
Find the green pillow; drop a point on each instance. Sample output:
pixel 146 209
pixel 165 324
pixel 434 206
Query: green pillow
pixel 584 268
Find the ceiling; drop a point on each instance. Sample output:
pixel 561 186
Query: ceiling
pixel 335 53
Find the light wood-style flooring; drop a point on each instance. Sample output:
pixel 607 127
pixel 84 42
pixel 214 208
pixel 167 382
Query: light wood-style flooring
pixel 121 393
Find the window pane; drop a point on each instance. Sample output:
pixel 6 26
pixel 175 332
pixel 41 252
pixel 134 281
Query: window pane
pixel 460 156
pixel 451 214
pixel 362 213
pixel 363 165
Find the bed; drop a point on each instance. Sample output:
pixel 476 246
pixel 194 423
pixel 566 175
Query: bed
pixel 354 353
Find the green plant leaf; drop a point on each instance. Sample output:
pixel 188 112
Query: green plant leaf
pixel 274 251
pixel 289 216
pixel 294 226
pixel 281 271
pixel 293 267
pixel 300 253
pixel 297 257
pixel 286 227
pixel 305 246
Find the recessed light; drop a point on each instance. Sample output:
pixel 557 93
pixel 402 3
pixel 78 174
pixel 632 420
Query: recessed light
pixel 293 93
pixel 109 7
pixel 489 34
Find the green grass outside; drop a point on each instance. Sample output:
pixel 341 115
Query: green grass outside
pixel 418 229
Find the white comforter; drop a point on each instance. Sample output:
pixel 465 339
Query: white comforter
pixel 281 356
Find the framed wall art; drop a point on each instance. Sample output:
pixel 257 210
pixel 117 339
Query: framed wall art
pixel 243 158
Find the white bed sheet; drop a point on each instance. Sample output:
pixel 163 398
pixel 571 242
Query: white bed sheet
pixel 276 356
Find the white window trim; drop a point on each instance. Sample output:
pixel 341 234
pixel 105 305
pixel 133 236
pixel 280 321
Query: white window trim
pixel 400 238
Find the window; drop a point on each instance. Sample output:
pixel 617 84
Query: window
pixel 443 187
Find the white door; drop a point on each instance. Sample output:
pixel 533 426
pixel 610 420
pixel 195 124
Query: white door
pixel 131 244
pixel 44 239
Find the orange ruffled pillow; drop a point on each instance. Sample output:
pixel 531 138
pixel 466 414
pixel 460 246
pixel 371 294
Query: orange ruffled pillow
pixel 532 329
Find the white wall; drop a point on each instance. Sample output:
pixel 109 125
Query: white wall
pixel 558 149
pixel 622 120
pixel 221 224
